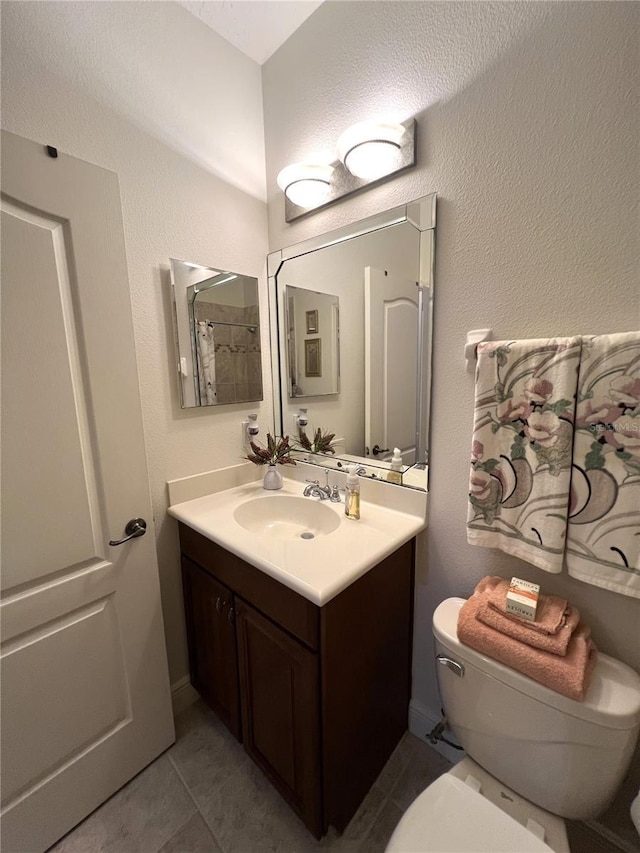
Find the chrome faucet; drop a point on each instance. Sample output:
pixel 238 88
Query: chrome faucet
pixel 315 490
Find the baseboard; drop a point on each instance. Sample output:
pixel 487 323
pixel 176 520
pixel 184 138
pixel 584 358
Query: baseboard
pixel 421 722
pixel 183 694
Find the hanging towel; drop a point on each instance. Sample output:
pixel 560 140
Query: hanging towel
pixel 603 538
pixel 521 451
pixel 569 675
pixel 551 614
pixel 520 629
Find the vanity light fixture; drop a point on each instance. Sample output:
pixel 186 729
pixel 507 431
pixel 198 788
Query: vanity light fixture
pixel 367 152
pixel 305 184
pixel 370 150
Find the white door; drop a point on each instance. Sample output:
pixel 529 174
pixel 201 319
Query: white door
pixel 390 345
pixel 85 694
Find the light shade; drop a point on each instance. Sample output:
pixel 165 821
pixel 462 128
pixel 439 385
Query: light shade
pixel 370 150
pixel 305 184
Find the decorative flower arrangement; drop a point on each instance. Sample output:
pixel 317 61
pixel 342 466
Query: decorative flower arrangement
pixel 322 442
pixel 275 453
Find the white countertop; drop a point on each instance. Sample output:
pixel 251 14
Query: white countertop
pixel 318 568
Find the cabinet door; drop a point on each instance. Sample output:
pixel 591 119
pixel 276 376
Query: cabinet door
pixel 213 659
pixel 280 711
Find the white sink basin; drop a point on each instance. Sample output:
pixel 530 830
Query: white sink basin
pixel 287 517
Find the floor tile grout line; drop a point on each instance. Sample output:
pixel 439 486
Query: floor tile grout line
pixel 611 837
pixel 194 801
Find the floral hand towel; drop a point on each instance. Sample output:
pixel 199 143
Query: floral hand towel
pixel 603 539
pixel 521 452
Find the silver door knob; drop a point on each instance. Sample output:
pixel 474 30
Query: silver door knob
pixel 136 527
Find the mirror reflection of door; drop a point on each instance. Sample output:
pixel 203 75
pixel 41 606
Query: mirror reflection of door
pixel 391 308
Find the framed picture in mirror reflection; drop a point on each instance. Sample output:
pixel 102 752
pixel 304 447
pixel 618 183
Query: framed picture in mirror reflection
pixel 312 322
pixel 313 357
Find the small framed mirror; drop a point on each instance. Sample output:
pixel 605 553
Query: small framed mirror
pixel 313 342
pixel 217 331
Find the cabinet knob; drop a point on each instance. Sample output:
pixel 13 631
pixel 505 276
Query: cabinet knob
pixel 231 615
pixel 220 604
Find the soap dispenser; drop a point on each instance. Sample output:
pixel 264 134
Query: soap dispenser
pixel 394 474
pixel 352 494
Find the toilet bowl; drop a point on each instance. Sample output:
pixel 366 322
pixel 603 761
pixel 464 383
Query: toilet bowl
pixel 635 813
pixel 534 757
pixel 468 811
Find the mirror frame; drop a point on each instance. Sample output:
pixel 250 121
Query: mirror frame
pixel 421 214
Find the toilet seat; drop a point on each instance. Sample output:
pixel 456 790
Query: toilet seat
pixel 450 816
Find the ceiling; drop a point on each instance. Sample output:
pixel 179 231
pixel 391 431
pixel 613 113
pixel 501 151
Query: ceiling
pixel 256 27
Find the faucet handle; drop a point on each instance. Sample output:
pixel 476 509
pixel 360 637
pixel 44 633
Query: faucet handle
pixel 313 482
pixel 334 497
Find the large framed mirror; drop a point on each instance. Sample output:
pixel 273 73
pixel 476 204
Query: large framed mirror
pixel 217 331
pixel 379 275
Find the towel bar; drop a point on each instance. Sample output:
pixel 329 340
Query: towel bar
pixel 474 337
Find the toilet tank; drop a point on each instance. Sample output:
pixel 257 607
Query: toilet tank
pixel 567 757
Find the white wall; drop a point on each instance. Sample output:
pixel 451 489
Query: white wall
pixel 528 131
pixel 147 90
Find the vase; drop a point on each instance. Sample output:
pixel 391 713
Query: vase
pixel 272 478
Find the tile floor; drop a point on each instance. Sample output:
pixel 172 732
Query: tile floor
pixel 205 796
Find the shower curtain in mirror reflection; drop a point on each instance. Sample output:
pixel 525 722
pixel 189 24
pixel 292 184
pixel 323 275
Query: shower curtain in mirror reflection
pixel 206 363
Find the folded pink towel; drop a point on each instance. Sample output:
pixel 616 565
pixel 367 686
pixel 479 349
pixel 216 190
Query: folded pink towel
pixel 569 675
pixel 518 629
pixel 550 615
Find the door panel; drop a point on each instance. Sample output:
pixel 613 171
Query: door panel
pixel 391 317
pixel 78 660
pixel 40 344
pixel 85 698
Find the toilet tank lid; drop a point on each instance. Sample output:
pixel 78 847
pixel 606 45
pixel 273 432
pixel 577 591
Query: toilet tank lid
pixel 613 697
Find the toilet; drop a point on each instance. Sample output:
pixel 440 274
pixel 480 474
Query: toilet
pixel 533 757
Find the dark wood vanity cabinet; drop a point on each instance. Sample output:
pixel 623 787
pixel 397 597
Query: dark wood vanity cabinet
pixel 279 682
pixel 213 659
pixel 319 696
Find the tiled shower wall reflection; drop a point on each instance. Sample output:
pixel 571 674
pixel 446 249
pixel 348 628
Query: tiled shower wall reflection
pixel 238 367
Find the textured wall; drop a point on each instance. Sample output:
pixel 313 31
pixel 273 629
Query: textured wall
pixel 148 91
pixel 528 132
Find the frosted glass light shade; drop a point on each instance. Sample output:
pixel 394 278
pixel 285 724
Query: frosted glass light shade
pixel 370 150
pixel 305 184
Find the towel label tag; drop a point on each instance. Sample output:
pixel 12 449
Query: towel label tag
pixel 522 598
